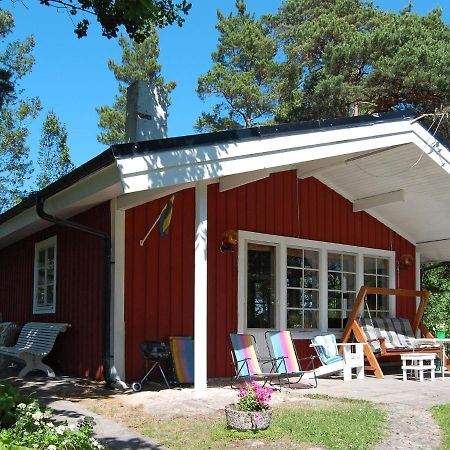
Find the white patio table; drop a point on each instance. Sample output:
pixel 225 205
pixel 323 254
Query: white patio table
pixel 433 342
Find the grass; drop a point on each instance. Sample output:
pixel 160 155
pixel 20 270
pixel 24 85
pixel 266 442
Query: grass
pixel 335 424
pixel 441 413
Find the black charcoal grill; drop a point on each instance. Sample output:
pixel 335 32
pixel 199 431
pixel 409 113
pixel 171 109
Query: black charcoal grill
pixel 154 352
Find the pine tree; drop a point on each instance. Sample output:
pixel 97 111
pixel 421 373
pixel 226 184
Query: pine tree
pixel 16 111
pixel 139 62
pixel 347 57
pixel 53 158
pixel 242 75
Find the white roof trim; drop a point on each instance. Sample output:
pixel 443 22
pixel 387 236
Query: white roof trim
pixel 209 162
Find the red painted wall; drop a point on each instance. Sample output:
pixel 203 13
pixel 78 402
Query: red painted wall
pixel 159 276
pixel 79 291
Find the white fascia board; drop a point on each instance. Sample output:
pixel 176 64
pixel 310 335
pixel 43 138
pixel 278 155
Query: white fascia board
pixel 362 204
pixel 234 181
pixel 186 165
pixel 431 146
pixel 101 186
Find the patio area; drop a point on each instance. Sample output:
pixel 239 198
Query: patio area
pixel 407 403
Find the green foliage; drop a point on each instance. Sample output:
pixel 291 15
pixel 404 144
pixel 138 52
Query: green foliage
pixel 442 415
pixel 53 158
pixel 243 73
pixel 139 62
pixel 347 57
pixel 10 397
pixel 138 17
pixel 34 428
pixel 334 424
pixel 16 61
pixel 437 282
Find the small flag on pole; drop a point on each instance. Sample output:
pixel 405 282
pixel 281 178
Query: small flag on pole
pixel 165 217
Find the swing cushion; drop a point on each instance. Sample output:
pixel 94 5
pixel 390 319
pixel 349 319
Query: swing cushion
pixel 396 333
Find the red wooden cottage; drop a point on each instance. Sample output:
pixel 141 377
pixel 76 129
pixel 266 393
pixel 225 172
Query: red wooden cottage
pixel 319 209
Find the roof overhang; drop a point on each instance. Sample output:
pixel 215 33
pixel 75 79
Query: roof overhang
pixel 389 166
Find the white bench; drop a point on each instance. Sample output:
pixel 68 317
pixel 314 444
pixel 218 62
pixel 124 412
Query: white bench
pixel 35 342
pixel 417 364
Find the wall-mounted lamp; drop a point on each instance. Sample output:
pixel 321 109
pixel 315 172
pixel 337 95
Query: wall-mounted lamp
pixel 229 241
pixel 405 261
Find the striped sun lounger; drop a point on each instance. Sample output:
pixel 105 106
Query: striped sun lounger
pixel 182 350
pixel 245 360
pixel 287 362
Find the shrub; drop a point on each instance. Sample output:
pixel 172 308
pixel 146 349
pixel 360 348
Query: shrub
pixel 10 397
pixel 34 428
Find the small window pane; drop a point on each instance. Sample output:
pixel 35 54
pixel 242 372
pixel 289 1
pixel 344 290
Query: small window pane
pixel 334 281
pixel 382 266
pixel 311 259
pixel 294 298
pixel 310 299
pixel 370 265
pixel 370 280
pixel 334 262
pixel 41 258
pixel 383 282
pixel 383 302
pixel 49 295
pixel 334 319
pixel 294 318
pixel 348 282
pixel 350 298
pixel 348 263
pixel 334 300
pixel 310 319
pixel 311 279
pixel 294 278
pixel 294 257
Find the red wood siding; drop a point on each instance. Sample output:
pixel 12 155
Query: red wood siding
pixel 159 277
pixel 79 295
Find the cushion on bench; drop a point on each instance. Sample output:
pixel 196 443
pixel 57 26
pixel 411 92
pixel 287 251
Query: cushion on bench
pixel 395 332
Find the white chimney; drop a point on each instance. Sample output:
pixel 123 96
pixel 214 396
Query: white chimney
pixel 146 112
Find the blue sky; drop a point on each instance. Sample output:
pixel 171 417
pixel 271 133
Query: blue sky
pixel 71 75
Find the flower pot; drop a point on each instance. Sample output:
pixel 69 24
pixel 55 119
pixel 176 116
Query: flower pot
pixel 440 334
pixel 247 420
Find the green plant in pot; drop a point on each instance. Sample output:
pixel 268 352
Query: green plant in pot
pixel 252 411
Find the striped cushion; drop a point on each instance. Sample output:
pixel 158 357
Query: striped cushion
pixel 395 332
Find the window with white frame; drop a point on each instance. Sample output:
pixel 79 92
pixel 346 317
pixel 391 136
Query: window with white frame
pixel 44 300
pixel 300 285
pixel 302 290
pixel 376 274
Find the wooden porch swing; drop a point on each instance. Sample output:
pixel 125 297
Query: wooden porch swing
pixel 360 334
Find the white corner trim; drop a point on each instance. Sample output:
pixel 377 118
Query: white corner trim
pixel 362 204
pixel 118 288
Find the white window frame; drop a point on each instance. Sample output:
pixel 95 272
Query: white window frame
pixel 39 246
pixel 281 244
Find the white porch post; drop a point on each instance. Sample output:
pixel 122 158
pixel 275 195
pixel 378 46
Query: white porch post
pixel 200 291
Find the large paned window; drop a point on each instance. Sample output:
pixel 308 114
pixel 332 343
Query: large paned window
pixel 299 285
pixel 302 288
pixel 44 300
pixel 261 294
pixel 376 274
